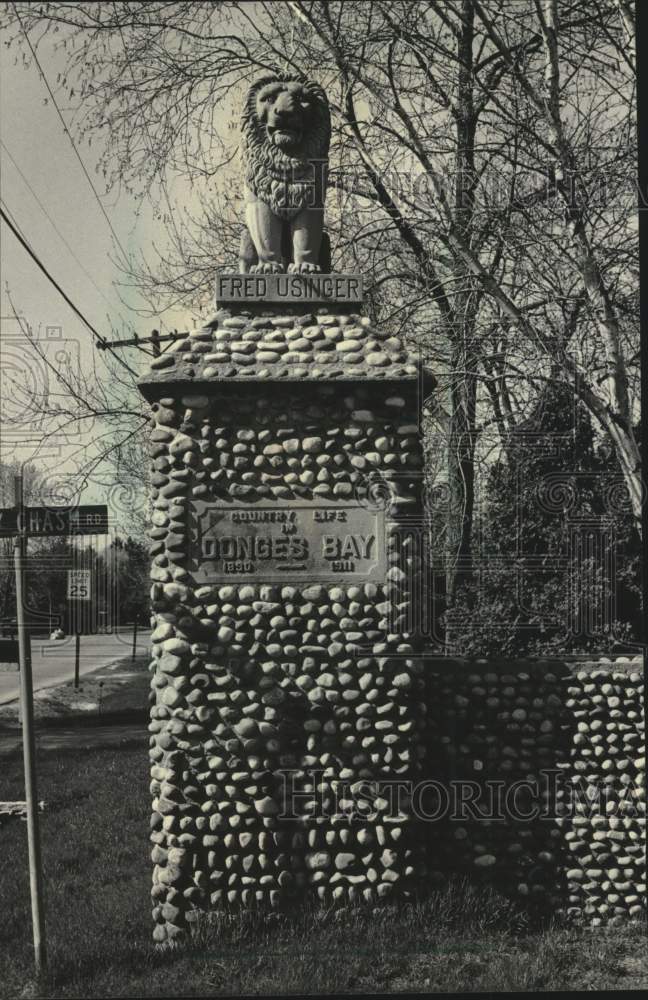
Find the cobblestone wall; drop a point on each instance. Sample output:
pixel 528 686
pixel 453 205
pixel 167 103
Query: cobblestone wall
pixel 551 759
pixel 301 746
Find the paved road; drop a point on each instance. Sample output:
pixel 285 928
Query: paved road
pixel 53 662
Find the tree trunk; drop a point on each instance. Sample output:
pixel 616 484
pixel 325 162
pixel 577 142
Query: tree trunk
pixel 464 360
pixel 461 485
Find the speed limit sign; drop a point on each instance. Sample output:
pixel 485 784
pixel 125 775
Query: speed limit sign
pixel 79 584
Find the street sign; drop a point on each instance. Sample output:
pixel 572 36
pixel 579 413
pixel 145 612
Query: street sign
pixel 23 522
pixel 79 584
pixel 91 519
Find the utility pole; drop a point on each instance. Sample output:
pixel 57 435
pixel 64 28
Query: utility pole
pixel 29 747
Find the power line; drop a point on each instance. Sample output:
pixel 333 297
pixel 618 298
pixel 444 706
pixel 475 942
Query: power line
pixel 67 132
pixel 55 227
pixel 54 282
pixel 76 152
pixel 14 228
pixel 12 217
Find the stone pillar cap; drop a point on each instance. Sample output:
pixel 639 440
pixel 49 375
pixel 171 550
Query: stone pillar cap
pixel 262 344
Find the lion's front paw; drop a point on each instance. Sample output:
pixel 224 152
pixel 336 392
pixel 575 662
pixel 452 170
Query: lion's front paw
pixel 267 267
pixel 304 268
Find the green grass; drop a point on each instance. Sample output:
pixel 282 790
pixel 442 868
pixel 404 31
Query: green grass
pixel 97 875
pixel 122 685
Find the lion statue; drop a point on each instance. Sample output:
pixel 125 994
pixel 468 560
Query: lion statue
pixel 286 130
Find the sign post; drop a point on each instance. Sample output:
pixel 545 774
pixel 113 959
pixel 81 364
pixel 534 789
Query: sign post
pixel 21 522
pixel 79 588
pixel 77 652
pixel 29 747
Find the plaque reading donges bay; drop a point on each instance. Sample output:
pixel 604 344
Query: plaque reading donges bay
pixel 310 543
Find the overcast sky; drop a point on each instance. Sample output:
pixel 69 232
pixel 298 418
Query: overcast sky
pixel 37 153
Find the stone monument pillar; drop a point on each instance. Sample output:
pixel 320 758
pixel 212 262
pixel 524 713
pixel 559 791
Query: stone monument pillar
pixel 286 707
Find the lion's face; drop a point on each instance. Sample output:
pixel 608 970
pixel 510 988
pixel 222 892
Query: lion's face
pixel 286 130
pixel 286 111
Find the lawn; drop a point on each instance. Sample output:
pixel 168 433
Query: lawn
pixel 97 877
pixel 119 687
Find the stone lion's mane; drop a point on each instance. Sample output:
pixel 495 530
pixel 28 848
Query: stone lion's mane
pixel 283 182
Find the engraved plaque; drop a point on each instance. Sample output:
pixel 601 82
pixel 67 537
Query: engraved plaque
pixel 303 542
pixel 321 289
